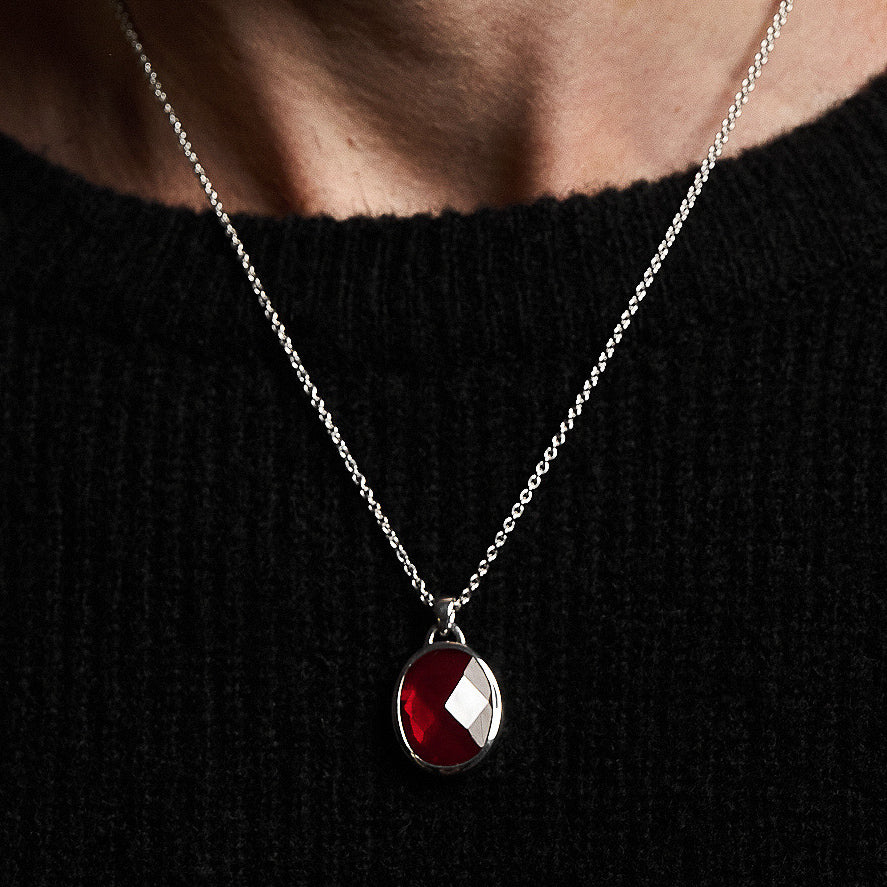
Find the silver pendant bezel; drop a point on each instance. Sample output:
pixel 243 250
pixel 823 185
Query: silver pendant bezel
pixel 495 704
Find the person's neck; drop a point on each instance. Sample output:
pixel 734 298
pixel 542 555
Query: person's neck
pixel 372 106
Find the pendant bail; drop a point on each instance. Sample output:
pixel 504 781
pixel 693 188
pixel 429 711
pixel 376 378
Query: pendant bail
pixel 445 613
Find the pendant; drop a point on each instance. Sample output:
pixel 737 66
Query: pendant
pixel 447 708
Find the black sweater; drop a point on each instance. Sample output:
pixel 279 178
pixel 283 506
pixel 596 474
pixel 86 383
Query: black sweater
pixel 201 623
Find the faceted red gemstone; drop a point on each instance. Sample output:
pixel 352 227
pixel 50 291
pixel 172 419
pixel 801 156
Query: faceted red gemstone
pixel 445 706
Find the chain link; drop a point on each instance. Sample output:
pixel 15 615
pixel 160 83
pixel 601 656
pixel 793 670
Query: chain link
pixel 622 325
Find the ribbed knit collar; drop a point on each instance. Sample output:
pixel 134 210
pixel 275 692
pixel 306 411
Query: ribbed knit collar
pixel 144 270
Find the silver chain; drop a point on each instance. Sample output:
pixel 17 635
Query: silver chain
pixel 326 417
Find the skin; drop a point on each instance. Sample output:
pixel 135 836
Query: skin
pixel 350 107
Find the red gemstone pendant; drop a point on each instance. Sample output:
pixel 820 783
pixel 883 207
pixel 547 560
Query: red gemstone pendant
pixel 447 707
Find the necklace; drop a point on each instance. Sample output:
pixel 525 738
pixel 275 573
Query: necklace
pixel 447 707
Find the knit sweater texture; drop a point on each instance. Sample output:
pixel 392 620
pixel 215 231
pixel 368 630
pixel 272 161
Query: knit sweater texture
pixel 202 624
